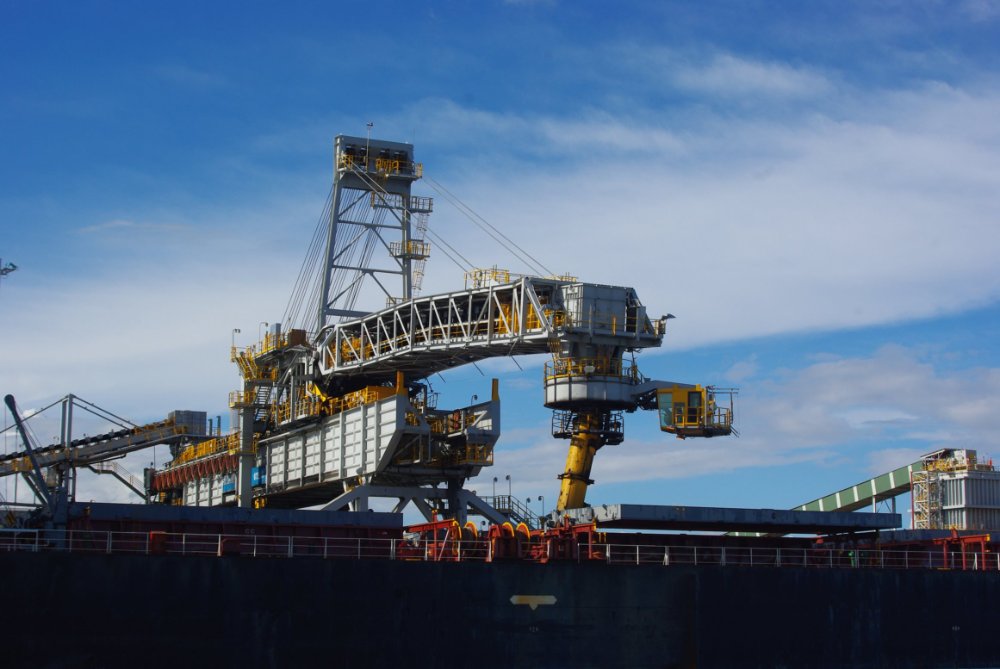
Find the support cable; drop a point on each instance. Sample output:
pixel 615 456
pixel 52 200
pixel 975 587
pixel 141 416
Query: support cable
pixel 102 413
pixel 377 187
pixel 468 264
pixel 294 311
pixel 294 308
pixel 483 224
pixel 13 426
pixel 356 251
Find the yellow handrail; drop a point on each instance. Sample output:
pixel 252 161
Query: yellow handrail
pixel 567 367
pixel 229 443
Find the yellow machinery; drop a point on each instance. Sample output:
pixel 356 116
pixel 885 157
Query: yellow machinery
pixel 345 412
pixel 694 411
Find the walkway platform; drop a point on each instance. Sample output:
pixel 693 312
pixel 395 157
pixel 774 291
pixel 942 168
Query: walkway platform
pixel 721 519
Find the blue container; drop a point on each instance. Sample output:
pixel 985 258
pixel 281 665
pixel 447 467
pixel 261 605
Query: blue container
pixel 258 476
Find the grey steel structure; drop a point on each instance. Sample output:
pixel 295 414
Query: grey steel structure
pixel 51 471
pixel 951 489
pixel 954 489
pixel 345 413
pixel 704 518
pixel 372 204
pixel 588 328
pixel 349 415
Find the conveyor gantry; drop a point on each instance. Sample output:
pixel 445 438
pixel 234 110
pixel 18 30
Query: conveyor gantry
pixel 95 453
pixel 426 335
pixel 950 488
pixel 90 450
pixel 349 414
pixel 587 327
pixel 867 493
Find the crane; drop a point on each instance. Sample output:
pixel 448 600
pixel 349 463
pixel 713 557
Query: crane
pixel 343 412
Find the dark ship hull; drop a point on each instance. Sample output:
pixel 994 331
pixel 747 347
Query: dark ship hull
pixel 95 610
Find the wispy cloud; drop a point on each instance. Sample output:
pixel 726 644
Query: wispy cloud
pixel 882 215
pixel 156 311
pixel 697 81
pixel 888 459
pixel 981 10
pixel 806 225
pixel 883 410
pixel 835 204
pixel 603 131
pixel 727 75
pixel 742 370
pixel 123 225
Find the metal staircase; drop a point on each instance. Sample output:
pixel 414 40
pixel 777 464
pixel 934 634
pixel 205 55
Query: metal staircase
pixel 513 509
pixel 111 467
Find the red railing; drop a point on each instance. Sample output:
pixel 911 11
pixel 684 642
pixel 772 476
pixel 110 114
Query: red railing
pixel 484 550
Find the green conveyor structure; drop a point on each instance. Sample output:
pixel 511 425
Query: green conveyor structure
pixel 857 496
pixel 866 493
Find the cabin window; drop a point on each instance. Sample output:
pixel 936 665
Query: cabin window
pixel 666 402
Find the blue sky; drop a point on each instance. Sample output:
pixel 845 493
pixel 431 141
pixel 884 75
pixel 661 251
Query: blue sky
pixel 812 188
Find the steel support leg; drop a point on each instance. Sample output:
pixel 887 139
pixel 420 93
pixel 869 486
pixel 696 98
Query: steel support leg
pixel 583 445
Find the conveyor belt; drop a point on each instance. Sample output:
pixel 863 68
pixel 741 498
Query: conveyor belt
pixel 866 493
pixel 88 450
pixel 76 443
pixel 429 334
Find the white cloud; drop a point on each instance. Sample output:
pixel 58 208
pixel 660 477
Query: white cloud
pixel 874 417
pixel 148 328
pixel 752 227
pixel 951 408
pixel 891 402
pixel 981 10
pixel 727 75
pixel 123 225
pixel 886 460
pixel 742 370
pixel 709 78
pixel 882 211
pixel 892 397
pixel 599 131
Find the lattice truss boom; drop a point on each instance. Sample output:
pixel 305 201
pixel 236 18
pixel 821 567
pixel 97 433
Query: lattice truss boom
pixel 531 315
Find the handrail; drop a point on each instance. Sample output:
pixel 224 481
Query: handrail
pixel 573 367
pixel 482 550
pixel 125 475
pixel 229 443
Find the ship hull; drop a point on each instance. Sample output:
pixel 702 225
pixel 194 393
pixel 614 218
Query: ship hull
pixel 76 610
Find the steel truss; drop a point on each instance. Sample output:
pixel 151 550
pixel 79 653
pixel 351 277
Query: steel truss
pixel 428 500
pixel 429 334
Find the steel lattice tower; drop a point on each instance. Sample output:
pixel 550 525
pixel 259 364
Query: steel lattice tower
pixel 373 215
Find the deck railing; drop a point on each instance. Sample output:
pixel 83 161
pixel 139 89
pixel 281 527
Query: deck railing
pixel 930 558
pixel 363 548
